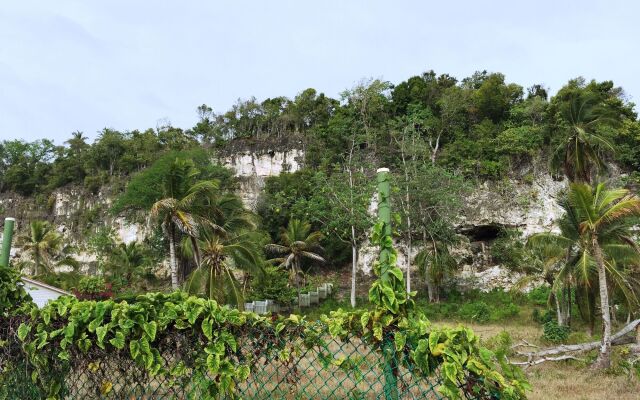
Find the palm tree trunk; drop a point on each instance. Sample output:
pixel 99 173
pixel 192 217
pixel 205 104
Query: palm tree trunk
pixel 569 305
pixel 172 259
pixel 430 291
pixel 558 310
pixel 354 260
pixel 604 356
pixel 37 260
pixel 297 279
pixel 196 251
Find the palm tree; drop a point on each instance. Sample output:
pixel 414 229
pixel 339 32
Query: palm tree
pixel 565 260
pixel 181 211
pixel 582 147
pixel 549 262
pixel 128 261
pixel 435 265
pixel 222 256
pixel 605 231
pixel 298 244
pixel 45 247
pixel 596 235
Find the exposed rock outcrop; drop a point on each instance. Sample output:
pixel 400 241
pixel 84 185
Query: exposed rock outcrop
pixel 526 204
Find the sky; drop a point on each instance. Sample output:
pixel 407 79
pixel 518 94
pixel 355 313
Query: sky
pixel 85 65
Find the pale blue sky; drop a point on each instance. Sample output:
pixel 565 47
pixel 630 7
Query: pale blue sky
pixel 85 65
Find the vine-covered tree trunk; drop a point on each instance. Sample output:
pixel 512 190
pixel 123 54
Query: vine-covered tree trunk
pixel 604 356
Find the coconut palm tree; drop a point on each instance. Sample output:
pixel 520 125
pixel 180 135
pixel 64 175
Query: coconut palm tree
pixel 181 211
pixel 596 233
pixel 46 247
pixel 565 260
pixel 129 261
pixel 298 244
pixel 582 146
pixel 548 262
pixel 435 265
pixel 222 256
pixel 605 232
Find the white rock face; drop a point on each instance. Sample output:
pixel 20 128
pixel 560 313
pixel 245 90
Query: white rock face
pixel 490 278
pixel 253 168
pixel 263 165
pixel 128 233
pixel 531 207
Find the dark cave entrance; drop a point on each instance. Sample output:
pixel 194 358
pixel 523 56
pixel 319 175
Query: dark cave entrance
pixel 482 233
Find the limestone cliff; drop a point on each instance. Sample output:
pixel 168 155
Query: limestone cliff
pixel 526 204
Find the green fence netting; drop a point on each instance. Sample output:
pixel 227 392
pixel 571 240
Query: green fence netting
pixel 328 368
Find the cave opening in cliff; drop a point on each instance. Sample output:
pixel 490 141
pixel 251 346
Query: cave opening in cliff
pixel 482 233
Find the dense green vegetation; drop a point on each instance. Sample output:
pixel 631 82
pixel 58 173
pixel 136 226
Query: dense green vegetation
pixel 438 135
pixel 481 126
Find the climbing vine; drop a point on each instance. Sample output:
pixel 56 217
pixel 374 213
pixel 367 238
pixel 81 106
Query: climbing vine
pixel 68 330
pixel 13 298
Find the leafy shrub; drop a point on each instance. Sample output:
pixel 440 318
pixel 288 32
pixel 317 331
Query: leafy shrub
pixel 539 295
pixel 93 288
pixel 213 348
pixel 554 333
pixel 476 311
pixel 273 285
pixel 91 284
pixel 544 317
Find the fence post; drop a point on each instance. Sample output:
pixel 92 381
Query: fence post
pixel 388 346
pixel 6 241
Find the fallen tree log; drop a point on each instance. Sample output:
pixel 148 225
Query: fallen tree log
pixel 568 351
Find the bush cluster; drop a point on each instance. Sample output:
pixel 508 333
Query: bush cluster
pixel 554 333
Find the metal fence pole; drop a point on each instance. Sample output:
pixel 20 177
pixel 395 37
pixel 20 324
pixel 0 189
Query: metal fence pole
pixel 6 241
pixel 388 346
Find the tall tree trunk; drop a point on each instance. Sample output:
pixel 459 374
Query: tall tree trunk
pixel 409 249
pixel 354 261
pixel 296 271
pixel 196 251
pixel 430 290
pixel 427 277
pixel 172 258
pixel 604 356
pixel 434 149
pixel 569 304
pixel 37 260
pixel 558 309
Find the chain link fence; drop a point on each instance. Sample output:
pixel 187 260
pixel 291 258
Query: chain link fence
pixel 318 367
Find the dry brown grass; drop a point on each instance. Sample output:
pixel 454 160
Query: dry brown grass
pixel 562 380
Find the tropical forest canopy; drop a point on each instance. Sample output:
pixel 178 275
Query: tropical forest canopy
pixel 480 127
